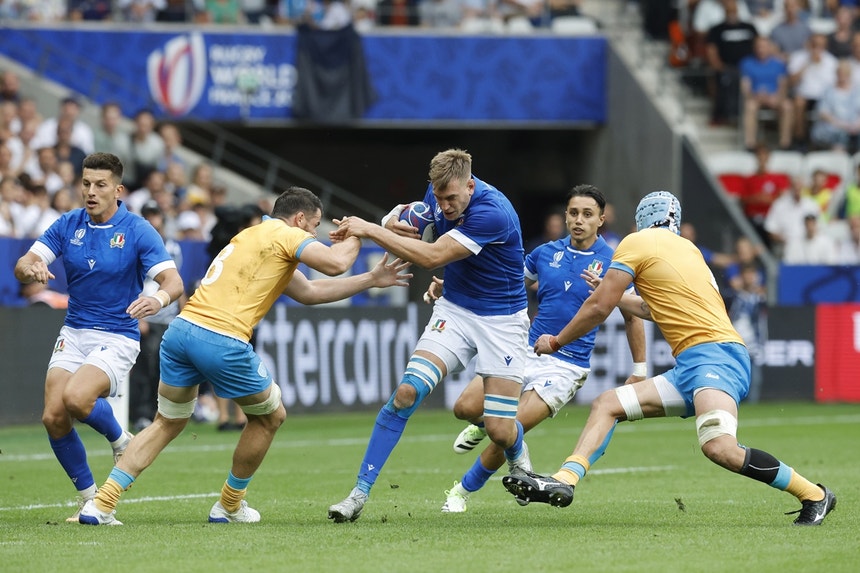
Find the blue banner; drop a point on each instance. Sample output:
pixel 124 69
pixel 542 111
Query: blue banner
pixel 195 261
pixel 811 285
pixel 196 75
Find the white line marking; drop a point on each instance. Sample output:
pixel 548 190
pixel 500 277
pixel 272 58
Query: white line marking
pixel 125 501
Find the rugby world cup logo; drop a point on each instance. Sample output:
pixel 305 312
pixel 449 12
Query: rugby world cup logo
pixel 177 74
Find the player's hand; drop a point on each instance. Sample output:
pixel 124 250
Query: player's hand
pixel 144 306
pixel 350 227
pixel 633 379
pixel 434 291
pixel 387 274
pixel 543 344
pixel 593 279
pixel 38 273
pixel 404 229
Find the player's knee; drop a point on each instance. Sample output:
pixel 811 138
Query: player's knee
pixel 620 402
pixel 712 428
pixel 404 396
pixel 501 431
pixel 270 412
pixel 467 409
pixel 77 403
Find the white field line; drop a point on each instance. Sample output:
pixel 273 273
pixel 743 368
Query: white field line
pixel 282 440
pixel 125 501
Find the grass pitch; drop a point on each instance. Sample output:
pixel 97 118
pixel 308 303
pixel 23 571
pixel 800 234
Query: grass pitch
pixel 653 503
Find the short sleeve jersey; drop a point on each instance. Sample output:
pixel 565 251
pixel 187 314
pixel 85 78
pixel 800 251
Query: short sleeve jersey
pixel 557 267
pixel 246 278
pixel 680 289
pixel 105 266
pixel 491 281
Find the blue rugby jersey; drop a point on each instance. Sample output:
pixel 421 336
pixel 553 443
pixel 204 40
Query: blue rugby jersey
pixel 490 282
pixel 105 266
pixel 557 267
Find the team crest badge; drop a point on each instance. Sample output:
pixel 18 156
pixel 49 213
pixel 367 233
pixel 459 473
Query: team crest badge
pixel 438 326
pixel 117 241
pixel 60 345
pixel 596 267
pixel 556 259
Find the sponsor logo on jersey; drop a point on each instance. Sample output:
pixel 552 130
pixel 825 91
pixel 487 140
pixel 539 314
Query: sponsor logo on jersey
pixel 438 326
pixel 508 360
pixel 556 259
pixel 117 241
pixel 567 285
pixel 712 376
pixel 77 240
pixel 596 267
pixel 92 263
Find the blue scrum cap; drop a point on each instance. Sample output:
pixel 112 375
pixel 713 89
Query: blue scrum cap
pixel 659 209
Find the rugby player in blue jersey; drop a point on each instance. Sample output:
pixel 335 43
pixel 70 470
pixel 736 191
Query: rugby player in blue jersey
pixel 712 372
pixel 482 311
pixel 107 252
pixel 551 381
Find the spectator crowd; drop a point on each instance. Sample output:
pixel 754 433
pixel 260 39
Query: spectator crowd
pixel 326 14
pixel 796 63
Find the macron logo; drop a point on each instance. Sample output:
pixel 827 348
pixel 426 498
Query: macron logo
pixel 567 285
pixel 547 383
pixel 370 467
pixel 508 360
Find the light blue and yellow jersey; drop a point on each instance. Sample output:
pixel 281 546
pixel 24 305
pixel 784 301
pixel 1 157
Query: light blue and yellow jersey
pixel 679 289
pixel 246 278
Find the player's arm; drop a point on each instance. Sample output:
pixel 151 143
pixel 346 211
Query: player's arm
pixel 32 268
pixel 633 304
pixel 593 311
pixel 334 260
pixel 319 291
pixel 426 255
pixel 634 327
pixel 170 288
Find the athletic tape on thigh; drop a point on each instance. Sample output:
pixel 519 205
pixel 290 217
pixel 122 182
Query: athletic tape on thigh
pixel 714 424
pixel 630 402
pixel 268 405
pixel 501 406
pixel 175 410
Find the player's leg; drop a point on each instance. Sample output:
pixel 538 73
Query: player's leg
pixel 531 411
pixel 423 372
pixel 65 442
pixel 265 413
pixel 109 359
pixel 716 424
pixel 175 407
pixel 470 406
pixel 85 400
pixel 654 397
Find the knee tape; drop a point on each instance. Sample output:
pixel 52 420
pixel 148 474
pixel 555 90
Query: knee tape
pixel 630 402
pixel 268 405
pixel 175 410
pixel 422 375
pixel 714 424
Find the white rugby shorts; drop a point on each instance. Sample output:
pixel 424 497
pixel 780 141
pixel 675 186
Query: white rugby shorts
pixel 114 354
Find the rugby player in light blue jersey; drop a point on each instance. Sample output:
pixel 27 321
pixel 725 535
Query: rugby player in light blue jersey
pixel 107 252
pixel 551 381
pixel 710 378
pixel 482 311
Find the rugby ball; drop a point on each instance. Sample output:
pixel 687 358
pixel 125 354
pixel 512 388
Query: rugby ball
pixel 419 215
